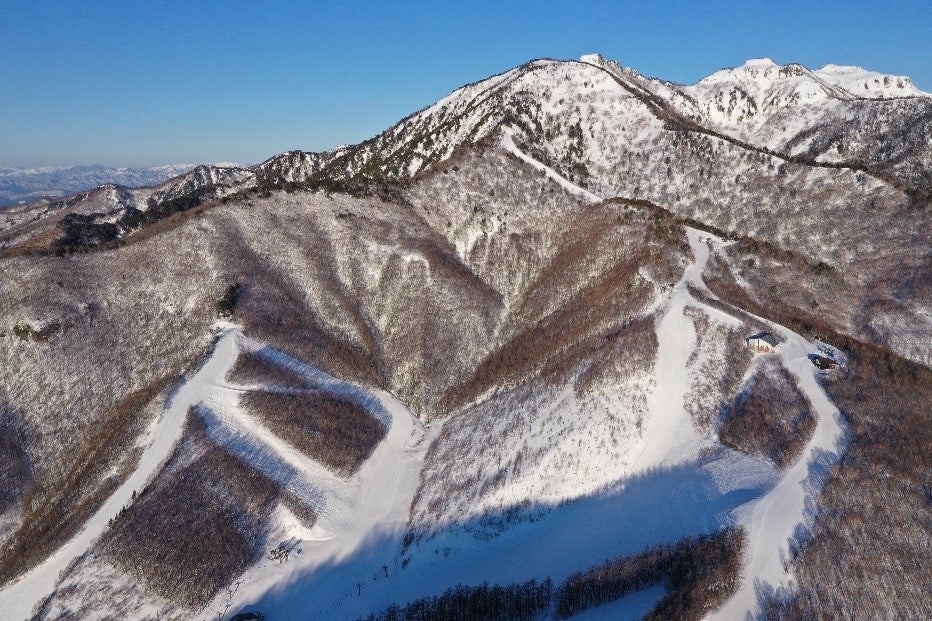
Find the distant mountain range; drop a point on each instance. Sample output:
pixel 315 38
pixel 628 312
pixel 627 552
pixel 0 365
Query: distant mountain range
pixel 26 185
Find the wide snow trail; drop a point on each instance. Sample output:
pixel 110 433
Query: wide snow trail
pixel 18 599
pixel 772 521
pixel 670 436
pixel 353 513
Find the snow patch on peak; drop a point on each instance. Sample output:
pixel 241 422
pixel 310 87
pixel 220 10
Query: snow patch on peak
pixel 762 70
pixel 759 63
pixel 869 84
pixel 594 59
pixel 833 68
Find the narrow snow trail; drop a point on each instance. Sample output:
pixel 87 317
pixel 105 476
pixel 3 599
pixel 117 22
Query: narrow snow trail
pixel 508 143
pixel 17 600
pixel 773 520
pixel 372 505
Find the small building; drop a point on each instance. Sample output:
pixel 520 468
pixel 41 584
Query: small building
pixel 823 362
pixel 763 342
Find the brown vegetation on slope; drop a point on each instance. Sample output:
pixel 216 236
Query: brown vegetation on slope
pixel 53 514
pixel 716 378
pixel 574 307
pixel 867 555
pixel 275 305
pixel 254 369
pixel 200 524
pixel 550 346
pixel 627 353
pixel 15 467
pixel 700 573
pixel 873 519
pixel 770 419
pixel 331 429
pixel 515 602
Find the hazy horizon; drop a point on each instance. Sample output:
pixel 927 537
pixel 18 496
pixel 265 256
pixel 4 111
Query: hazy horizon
pixel 238 83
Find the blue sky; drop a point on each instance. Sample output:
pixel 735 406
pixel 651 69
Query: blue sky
pixel 131 83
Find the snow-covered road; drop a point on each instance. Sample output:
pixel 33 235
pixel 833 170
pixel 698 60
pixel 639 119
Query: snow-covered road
pixel 508 143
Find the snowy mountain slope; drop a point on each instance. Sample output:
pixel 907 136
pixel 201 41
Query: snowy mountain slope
pixel 752 101
pixel 337 503
pixel 632 123
pixel 148 303
pixel 670 442
pixel 30 589
pixel 518 271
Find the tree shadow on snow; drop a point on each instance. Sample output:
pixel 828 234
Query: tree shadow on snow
pixel 658 506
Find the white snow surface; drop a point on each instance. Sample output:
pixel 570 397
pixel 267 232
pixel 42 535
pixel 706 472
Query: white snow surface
pixel 768 104
pixel 353 562
pixel 19 598
pixel 668 492
pixel 371 505
pixel 773 522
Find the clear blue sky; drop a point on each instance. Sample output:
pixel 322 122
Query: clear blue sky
pixel 134 83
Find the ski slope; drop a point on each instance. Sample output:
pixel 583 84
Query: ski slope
pixel 353 560
pixel 772 522
pixel 508 143
pixel 370 505
pixel 667 494
pixel 18 599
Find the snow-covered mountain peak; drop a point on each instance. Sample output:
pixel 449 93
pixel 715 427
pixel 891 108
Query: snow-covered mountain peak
pixel 742 99
pixel 592 59
pixel 836 81
pixel 761 71
pixel 863 83
pixel 763 63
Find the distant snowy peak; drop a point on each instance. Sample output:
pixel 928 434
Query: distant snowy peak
pixel 768 104
pixel 592 59
pixel 220 180
pixel 574 115
pixel 863 83
pixel 763 76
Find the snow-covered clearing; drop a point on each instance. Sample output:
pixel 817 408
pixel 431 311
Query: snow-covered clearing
pixel 372 505
pixel 667 493
pixel 669 435
pixel 19 598
pixel 773 521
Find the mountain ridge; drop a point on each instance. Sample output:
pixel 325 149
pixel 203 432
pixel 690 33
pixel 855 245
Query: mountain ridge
pixel 21 186
pixel 275 170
